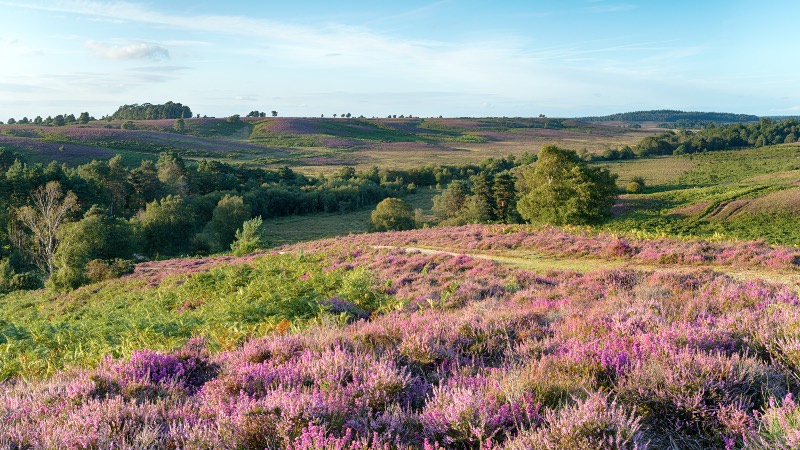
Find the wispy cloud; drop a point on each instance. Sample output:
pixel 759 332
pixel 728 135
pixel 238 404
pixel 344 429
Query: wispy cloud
pixel 614 8
pixel 132 51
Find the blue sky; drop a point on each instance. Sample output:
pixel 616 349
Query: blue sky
pixel 424 58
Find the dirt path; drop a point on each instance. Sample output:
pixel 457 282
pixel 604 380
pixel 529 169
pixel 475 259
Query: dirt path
pixel 528 260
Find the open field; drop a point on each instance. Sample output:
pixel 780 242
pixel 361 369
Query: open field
pixel 292 229
pixel 741 194
pixel 313 145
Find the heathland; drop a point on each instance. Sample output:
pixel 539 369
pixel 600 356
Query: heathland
pixel 661 311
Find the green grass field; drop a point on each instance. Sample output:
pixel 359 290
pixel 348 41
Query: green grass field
pixel 288 230
pixel 740 194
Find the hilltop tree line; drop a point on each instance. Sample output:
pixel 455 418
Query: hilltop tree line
pixel 58 121
pixel 147 111
pixel 67 226
pixel 671 115
pixel 711 138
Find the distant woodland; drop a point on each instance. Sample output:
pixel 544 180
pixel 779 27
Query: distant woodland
pixel 669 115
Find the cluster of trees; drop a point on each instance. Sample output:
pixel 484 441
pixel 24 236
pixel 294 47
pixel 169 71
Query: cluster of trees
pixel 147 111
pixel 723 137
pixel 261 114
pixel 57 121
pixel 69 226
pixel 712 137
pixel 558 187
pixel 488 196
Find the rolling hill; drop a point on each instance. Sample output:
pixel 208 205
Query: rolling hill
pixel 311 143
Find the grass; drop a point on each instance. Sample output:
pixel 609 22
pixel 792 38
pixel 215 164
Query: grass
pixel 289 230
pixel 695 195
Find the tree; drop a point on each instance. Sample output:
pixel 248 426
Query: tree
pixel 172 172
pixel 250 237
pixel 84 118
pixel 234 118
pixel 563 189
pixel 167 226
pixel 449 203
pixel 97 236
pixel 483 204
pixel 392 214
pixel 274 113
pixel 11 121
pixel 228 216
pixel 44 215
pixel 179 125
pixel 505 195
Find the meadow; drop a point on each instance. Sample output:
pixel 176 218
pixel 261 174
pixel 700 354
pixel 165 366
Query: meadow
pixel 739 194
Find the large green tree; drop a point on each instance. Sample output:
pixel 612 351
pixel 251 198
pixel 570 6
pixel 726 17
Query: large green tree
pixel 563 189
pixel 392 214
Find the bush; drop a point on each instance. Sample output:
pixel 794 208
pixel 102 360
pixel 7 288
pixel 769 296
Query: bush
pixel 99 269
pixel 392 214
pixel 593 423
pixel 633 187
pixel 250 237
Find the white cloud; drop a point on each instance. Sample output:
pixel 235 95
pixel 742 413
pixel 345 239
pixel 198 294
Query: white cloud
pixel 136 50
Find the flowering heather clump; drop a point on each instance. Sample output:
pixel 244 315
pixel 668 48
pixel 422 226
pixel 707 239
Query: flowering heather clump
pixel 596 423
pixel 577 243
pixel 438 351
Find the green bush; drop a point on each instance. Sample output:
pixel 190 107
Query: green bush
pixel 250 237
pixel 392 214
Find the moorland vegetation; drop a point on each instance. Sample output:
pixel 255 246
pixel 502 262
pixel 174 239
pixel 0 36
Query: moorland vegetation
pixel 556 300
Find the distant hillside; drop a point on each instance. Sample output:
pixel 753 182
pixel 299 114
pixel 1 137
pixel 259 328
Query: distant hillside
pixel 670 116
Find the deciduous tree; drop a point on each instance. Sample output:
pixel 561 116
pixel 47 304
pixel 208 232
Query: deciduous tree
pixel 563 189
pixel 48 209
pixel 392 214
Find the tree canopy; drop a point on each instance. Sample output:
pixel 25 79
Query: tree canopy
pixel 147 111
pixel 563 189
pixel 392 214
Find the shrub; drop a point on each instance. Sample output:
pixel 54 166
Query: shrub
pixel 595 423
pixel 392 214
pixel 633 187
pixel 100 269
pixel 249 238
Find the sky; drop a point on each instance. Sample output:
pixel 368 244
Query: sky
pixel 454 58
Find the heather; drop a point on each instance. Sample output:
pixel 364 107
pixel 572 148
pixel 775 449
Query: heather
pixel 580 243
pixel 389 348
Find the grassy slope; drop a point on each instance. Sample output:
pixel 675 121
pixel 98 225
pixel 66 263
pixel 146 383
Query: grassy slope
pixel 313 145
pixel 455 345
pixel 743 194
